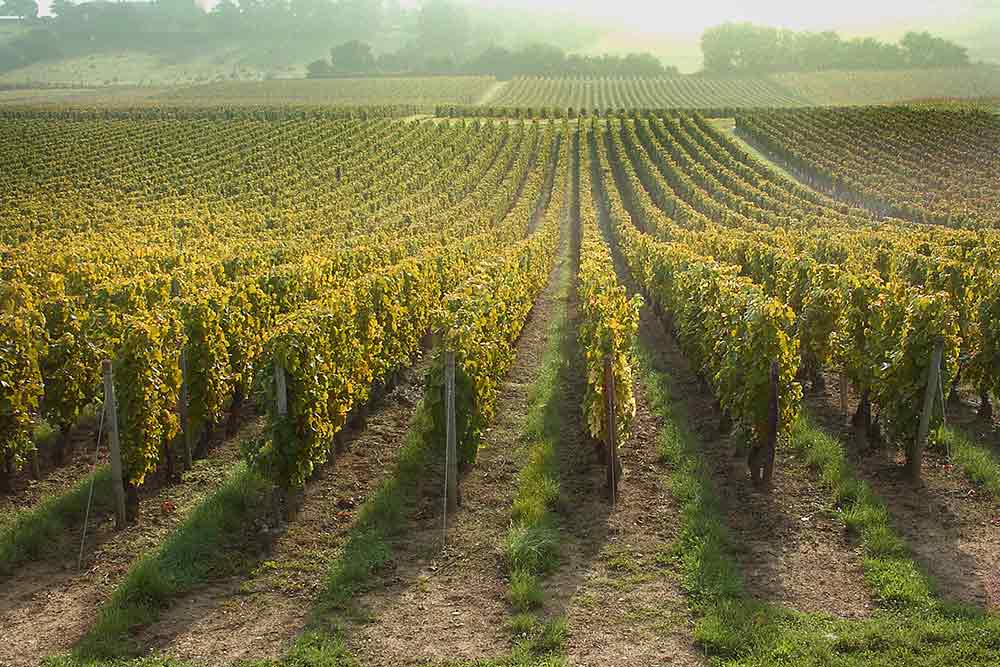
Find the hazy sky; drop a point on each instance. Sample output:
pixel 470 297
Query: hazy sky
pixel 663 26
pixel 692 17
pixel 672 29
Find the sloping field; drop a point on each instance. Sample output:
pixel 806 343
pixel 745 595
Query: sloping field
pixel 657 344
pixel 416 91
pixel 136 68
pixel 643 93
pixel 924 164
pixel 880 87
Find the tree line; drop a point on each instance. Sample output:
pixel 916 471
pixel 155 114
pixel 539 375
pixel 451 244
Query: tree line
pixel 357 57
pixel 437 36
pixel 745 48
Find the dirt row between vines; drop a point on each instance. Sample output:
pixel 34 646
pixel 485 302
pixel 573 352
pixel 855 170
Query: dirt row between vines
pixel 790 545
pixel 438 601
pixel 616 584
pixel 952 527
pixel 258 609
pixel 46 606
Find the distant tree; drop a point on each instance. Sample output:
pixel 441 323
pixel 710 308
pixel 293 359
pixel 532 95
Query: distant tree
pixel 62 9
pixel 22 9
pixel 870 53
pixel 548 60
pixel 357 19
pixel 394 62
pixel 354 57
pixel 642 64
pixel 539 59
pixel 177 8
pixel 721 47
pixel 495 60
pixel 924 50
pixel 745 48
pixel 319 69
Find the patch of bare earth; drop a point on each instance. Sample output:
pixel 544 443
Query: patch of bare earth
pixel 47 606
pixel 621 604
pixel 27 493
pixel 791 548
pixel 435 604
pixel 257 613
pixel 952 528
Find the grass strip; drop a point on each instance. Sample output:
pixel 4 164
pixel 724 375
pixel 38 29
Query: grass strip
pixel 531 545
pixel 979 463
pixel 912 628
pixel 34 533
pixel 890 573
pixel 193 553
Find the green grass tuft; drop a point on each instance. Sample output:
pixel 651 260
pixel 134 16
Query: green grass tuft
pixel 978 462
pixel 525 591
pixel 193 553
pixel 42 531
pixel 911 627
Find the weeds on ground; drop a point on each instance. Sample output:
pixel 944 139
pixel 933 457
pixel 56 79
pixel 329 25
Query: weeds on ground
pixel 911 627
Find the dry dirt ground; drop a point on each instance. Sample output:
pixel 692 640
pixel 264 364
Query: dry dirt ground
pixel 259 611
pixel 952 528
pixel 47 606
pixel 434 603
pixel 614 584
pixel 790 546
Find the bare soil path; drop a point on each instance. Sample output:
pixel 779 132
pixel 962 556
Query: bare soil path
pixel 952 528
pixel 47 606
pixel 615 584
pixel 728 127
pixel 260 609
pixel 491 93
pixel 435 604
pixel 791 547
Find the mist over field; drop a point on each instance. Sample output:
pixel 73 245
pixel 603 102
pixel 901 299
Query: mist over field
pixel 593 27
pixel 499 333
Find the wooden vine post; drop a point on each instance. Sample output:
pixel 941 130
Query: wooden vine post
pixel 36 466
pixel 916 453
pixel 182 408
pixel 281 390
pixel 843 392
pixel 451 444
pixel 111 415
pixel 773 417
pixel 614 471
pixel 761 457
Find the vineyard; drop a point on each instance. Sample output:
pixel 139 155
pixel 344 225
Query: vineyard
pixel 527 96
pixel 643 93
pixel 885 87
pixel 423 92
pixel 292 385
pixel 926 166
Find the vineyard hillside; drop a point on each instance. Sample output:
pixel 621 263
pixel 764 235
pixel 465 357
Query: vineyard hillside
pixel 286 381
pixel 124 80
pixel 839 88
